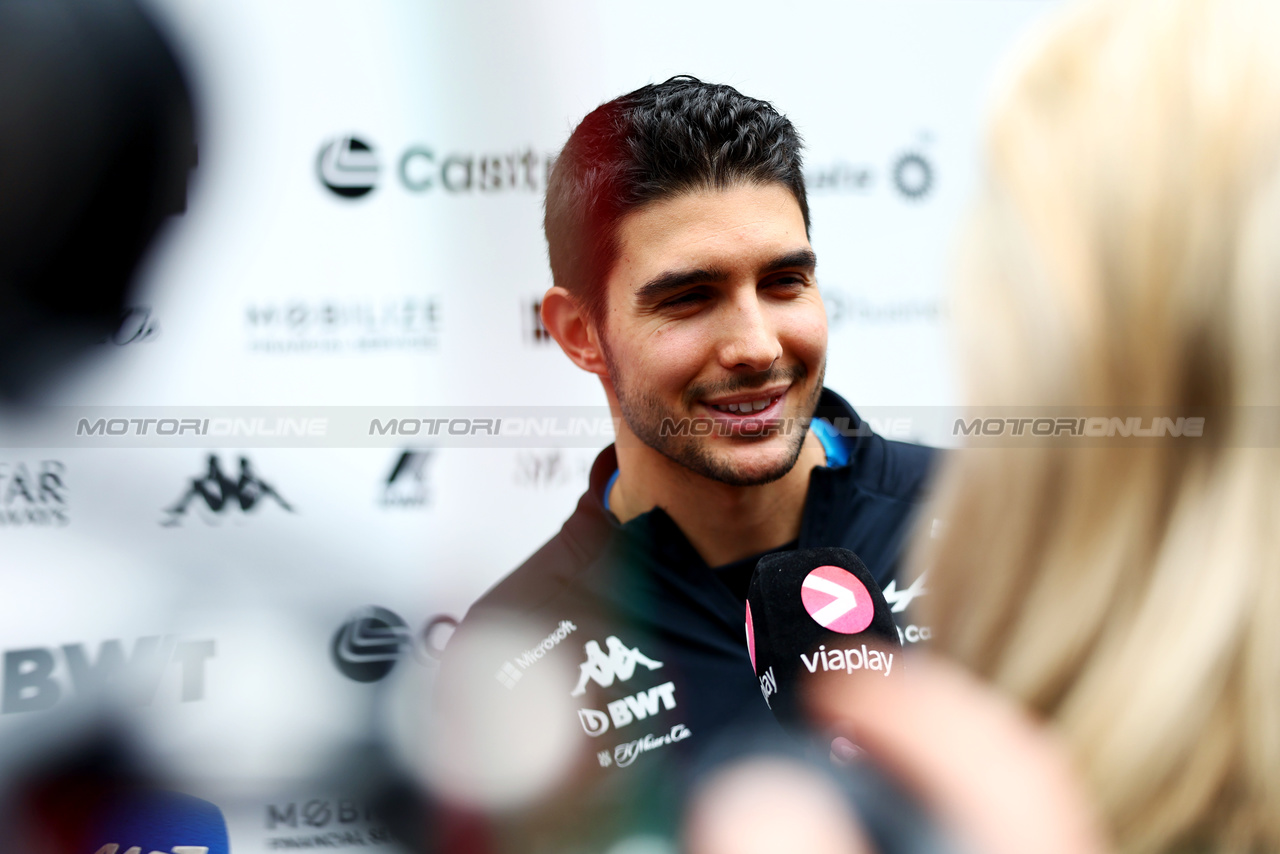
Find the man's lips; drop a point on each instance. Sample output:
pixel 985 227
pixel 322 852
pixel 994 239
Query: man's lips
pixel 756 405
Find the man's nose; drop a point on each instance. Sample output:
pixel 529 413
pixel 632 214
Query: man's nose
pixel 748 339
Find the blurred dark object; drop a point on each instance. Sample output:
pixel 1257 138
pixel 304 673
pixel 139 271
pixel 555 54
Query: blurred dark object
pixel 97 138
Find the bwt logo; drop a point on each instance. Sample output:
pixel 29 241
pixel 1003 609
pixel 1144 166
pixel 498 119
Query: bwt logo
pixel 628 710
pixel 348 167
pixel 29 674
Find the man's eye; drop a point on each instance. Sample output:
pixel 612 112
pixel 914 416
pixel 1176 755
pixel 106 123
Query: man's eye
pixel 788 282
pixel 685 299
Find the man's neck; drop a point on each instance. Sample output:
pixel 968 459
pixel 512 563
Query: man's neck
pixel 724 523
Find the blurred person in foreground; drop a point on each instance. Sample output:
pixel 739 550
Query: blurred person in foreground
pixel 97 137
pixel 1124 594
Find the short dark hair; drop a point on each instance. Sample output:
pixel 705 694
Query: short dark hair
pixel 659 141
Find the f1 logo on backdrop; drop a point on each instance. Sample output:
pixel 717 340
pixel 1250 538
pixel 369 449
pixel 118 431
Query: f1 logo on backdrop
pixel 348 166
pixel 837 600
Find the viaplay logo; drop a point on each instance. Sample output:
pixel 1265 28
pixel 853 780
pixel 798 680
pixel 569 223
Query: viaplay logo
pixel 348 166
pixel 837 600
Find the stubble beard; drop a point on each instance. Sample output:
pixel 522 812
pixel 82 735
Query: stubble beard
pixel 645 413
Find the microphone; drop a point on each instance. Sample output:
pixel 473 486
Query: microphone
pixel 815 615
pixel 160 821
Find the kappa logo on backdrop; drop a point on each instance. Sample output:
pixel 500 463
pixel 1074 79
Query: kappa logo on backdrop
pixel 33 495
pixel 348 166
pixel 619 664
pixel 369 644
pixel 219 495
pixel 406 485
pixel 549 469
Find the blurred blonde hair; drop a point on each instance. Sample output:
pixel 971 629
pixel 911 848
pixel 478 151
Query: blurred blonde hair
pixel 1126 251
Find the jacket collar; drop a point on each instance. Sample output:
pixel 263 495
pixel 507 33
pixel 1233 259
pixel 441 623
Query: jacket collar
pixel 591 525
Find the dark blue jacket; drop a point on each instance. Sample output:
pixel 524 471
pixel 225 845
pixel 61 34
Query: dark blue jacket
pixel 615 599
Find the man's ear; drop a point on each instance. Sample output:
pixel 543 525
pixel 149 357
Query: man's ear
pixel 577 336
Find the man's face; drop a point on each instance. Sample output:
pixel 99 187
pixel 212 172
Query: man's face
pixel 713 321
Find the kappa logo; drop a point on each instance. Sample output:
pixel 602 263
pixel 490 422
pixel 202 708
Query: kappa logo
pixel 220 494
pixel 899 599
pixel 837 600
pixel 619 664
pixel 628 710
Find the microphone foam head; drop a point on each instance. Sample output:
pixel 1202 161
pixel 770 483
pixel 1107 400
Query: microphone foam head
pixel 816 614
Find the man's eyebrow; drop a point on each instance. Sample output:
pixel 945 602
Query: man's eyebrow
pixel 674 280
pixel 804 259
pixel 659 286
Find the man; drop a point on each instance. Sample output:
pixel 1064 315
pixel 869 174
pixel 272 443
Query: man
pixel 684 279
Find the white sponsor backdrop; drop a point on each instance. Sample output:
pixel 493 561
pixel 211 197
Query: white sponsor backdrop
pixel 273 290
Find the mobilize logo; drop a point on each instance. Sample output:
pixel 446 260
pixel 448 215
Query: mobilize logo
pixel 349 167
pixel 31 683
pixel 367 646
pixel 406 485
pixel 219 495
pixel 33 495
pixel 360 324
pixel 348 823
pixel 508 675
